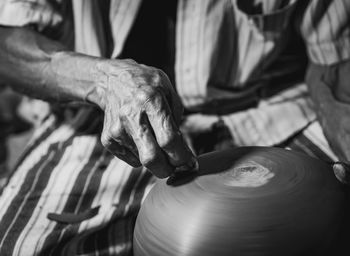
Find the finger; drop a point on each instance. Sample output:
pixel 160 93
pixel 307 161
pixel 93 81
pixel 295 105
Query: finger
pixel 342 172
pixel 121 137
pixel 116 147
pixel 120 151
pixel 167 134
pixel 150 154
pixel 172 97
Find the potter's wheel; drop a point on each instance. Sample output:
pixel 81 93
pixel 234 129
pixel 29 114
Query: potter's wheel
pixel 246 201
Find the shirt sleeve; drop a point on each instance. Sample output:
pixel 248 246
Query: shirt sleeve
pixel 18 13
pixel 326 31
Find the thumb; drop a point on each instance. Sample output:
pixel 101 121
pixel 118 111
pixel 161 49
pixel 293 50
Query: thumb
pixel 342 172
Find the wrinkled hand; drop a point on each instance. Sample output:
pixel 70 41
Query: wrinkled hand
pixel 335 120
pixel 142 114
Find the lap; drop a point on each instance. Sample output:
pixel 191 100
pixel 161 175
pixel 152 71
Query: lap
pixel 66 170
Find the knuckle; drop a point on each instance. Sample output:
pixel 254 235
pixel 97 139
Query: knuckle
pixel 143 95
pixel 159 72
pixel 125 111
pixel 131 61
pixel 125 75
pixel 105 139
pixel 149 159
pixel 116 131
pixel 169 140
pixel 158 76
pixel 148 94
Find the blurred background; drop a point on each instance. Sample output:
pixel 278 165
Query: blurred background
pixel 19 115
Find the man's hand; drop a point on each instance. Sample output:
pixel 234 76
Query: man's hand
pixel 142 114
pixel 142 111
pixel 333 114
pixel 335 121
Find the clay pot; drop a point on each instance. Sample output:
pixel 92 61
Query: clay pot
pixel 245 201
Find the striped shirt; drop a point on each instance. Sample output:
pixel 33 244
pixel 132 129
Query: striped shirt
pixel 224 44
pixel 219 44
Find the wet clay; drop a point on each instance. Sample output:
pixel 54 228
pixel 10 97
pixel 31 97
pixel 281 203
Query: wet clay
pixel 245 201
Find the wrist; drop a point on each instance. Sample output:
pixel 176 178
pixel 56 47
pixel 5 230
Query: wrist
pixel 96 96
pixel 104 71
pixel 80 77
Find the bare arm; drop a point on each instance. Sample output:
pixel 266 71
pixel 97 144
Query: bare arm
pixel 43 68
pixel 142 111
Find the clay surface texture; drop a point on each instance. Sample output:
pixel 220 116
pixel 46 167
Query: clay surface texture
pixel 244 201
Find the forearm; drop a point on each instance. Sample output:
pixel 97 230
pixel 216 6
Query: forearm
pixel 141 108
pixel 43 68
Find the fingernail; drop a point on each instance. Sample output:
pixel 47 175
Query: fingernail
pixel 342 172
pixel 195 166
pixel 181 177
pixel 190 166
